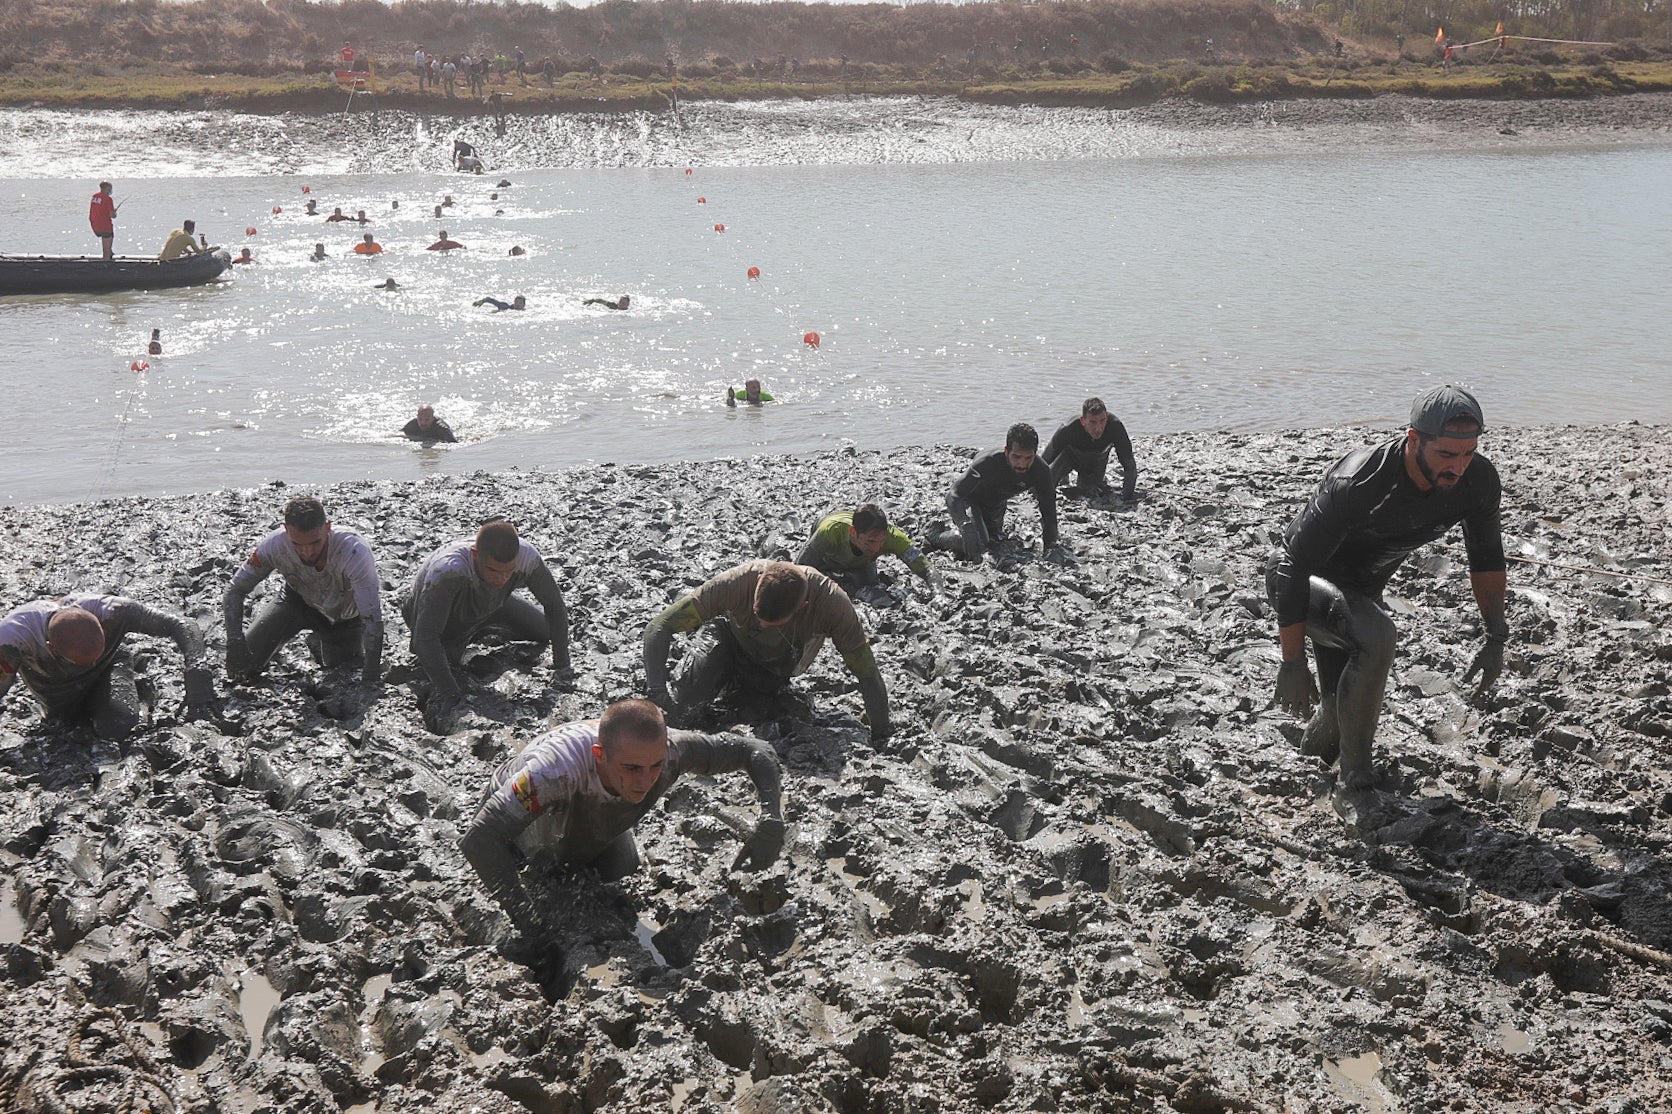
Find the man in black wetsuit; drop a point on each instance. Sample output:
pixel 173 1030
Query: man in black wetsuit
pixel 1083 446
pixel 426 426
pixel 1374 507
pixel 977 501
pixel 519 302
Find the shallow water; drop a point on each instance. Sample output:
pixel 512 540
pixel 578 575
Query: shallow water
pixel 1240 292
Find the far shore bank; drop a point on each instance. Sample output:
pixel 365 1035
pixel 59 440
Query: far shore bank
pixel 1140 85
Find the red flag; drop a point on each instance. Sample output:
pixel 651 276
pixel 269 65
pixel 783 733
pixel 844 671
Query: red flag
pixel 1440 35
pixel 1500 27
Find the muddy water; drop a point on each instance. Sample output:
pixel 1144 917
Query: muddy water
pixel 1195 282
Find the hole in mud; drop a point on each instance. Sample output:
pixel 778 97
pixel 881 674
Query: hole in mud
pixel 371 1057
pixel 256 1001
pixel 191 1048
pixel 1354 1077
pixel 730 1041
pixel 11 921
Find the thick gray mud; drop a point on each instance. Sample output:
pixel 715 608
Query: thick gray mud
pixel 1091 872
pixel 866 131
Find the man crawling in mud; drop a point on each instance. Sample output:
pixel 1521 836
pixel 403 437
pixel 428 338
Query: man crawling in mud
pixel 463 590
pixel 571 798
pixel 770 619
pixel 1372 509
pixel 845 547
pixel 1083 446
pixel 979 499
pixel 330 588
pixel 69 652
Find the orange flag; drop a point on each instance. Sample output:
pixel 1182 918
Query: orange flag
pixel 1440 35
pixel 1500 27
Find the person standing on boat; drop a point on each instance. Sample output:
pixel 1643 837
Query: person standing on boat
pixel 101 214
pixel 182 241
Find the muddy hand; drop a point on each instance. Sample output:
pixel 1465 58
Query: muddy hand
pixel 1296 692
pixel 763 846
pixel 1489 663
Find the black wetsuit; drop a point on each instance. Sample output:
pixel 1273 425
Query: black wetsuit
pixel 1337 557
pixel 1073 449
pixel 440 431
pixel 978 500
pixel 497 306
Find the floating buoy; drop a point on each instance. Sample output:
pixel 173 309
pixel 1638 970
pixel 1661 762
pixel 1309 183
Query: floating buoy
pixel 687 170
pixel 754 272
pixel 139 365
pixel 277 210
pixel 811 340
pixel 719 228
pixel 702 201
pixel 250 231
pixel 307 189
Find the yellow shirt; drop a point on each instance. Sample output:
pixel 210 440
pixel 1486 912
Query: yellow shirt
pixel 180 242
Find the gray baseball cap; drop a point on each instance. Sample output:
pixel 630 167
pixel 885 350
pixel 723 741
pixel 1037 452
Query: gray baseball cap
pixel 1434 408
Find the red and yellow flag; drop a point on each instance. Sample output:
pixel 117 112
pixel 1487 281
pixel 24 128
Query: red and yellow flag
pixel 1500 30
pixel 1440 35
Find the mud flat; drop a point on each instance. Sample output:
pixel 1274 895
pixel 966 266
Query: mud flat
pixel 1090 872
pixel 864 131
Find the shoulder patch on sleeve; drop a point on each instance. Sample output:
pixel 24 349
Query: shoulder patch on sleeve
pixel 523 787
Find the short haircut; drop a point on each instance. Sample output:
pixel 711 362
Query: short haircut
pixel 630 719
pixel 1093 405
pixel 498 541
pixel 869 518
pixel 75 628
pixel 1022 436
pixel 779 591
pixel 106 186
pixel 189 225
pixel 304 513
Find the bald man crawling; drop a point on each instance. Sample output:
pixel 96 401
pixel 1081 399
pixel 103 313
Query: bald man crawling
pixel 69 652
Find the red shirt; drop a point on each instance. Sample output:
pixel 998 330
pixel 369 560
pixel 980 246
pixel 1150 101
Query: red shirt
pixel 101 212
pixel 347 55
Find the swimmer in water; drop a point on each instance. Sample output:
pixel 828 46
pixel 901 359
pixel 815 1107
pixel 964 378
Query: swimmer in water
pixel 387 284
pixel 620 303
pixel 313 208
pixel 336 215
pixel 751 394
pixel 504 183
pixel 368 246
pixel 318 253
pixel 155 348
pixel 394 204
pixel 517 249
pixel 519 302
pixel 444 243
pixel 427 427
pixel 446 201
pixel 438 210
pixel 360 217
pixel 245 257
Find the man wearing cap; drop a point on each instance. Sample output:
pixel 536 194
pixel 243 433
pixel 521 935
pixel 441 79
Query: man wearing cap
pixel 1082 446
pixel 1372 509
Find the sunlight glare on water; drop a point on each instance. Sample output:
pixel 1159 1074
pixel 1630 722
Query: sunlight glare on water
pixel 1241 293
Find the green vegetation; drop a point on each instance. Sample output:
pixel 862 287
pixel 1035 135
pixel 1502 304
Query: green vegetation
pixel 278 54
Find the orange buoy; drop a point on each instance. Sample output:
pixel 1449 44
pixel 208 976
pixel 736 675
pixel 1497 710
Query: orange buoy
pixel 719 228
pixel 811 340
pixel 250 231
pixel 307 189
pixel 139 365
pixel 277 210
pixel 687 170
pixel 702 201
pixel 754 272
